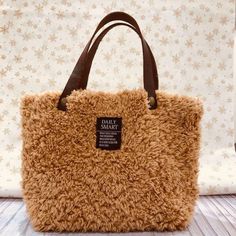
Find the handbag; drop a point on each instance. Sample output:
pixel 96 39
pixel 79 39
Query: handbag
pixel 110 162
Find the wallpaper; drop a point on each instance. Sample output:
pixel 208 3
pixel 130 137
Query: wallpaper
pixel 192 41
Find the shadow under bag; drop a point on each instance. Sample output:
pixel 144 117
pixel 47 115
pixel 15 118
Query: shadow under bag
pixel 110 162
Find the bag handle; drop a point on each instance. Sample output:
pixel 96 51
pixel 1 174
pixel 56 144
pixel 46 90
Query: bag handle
pixel 93 49
pixel 80 66
pixel 82 60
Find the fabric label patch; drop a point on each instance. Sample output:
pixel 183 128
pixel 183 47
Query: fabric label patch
pixel 108 133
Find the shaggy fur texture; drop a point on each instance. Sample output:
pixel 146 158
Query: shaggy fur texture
pixel 149 184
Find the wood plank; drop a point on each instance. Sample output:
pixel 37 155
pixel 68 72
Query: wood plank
pixel 202 222
pixel 102 234
pixel 194 229
pixel 4 205
pixel 109 234
pixel 181 233
pixel 2 201
pixel 221 212
pixel 230 218
pixel 163 234
pixel 214 215
pixel 57 234
pixel 231 201
pixel 222 219
pixel 226 205
pixel 17 224
pixel 9 212
pixel 128 234
pixel 212 219
pixel 80 234
pixel 29 231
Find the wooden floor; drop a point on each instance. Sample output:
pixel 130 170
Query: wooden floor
pixel 214 215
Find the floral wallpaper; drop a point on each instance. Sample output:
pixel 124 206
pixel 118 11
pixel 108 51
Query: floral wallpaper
pixel 192 41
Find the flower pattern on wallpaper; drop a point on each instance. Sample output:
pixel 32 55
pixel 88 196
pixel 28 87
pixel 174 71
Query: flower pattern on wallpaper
pixel 40 42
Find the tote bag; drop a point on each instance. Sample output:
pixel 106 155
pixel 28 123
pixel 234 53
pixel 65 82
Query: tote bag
pixel 110 162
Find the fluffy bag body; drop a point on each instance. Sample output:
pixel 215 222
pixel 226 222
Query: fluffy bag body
pixel 149 184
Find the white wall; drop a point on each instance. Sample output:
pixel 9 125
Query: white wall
pixel 235 87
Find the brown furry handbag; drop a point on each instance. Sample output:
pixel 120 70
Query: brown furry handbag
pixel 98 161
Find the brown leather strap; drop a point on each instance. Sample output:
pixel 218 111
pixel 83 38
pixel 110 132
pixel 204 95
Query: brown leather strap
pixel 80 66
pixel 93 50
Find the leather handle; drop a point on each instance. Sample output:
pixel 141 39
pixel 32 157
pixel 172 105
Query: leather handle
pixel 93 49
pixel 77 73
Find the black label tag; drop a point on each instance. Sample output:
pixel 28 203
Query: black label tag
pixel 108 133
